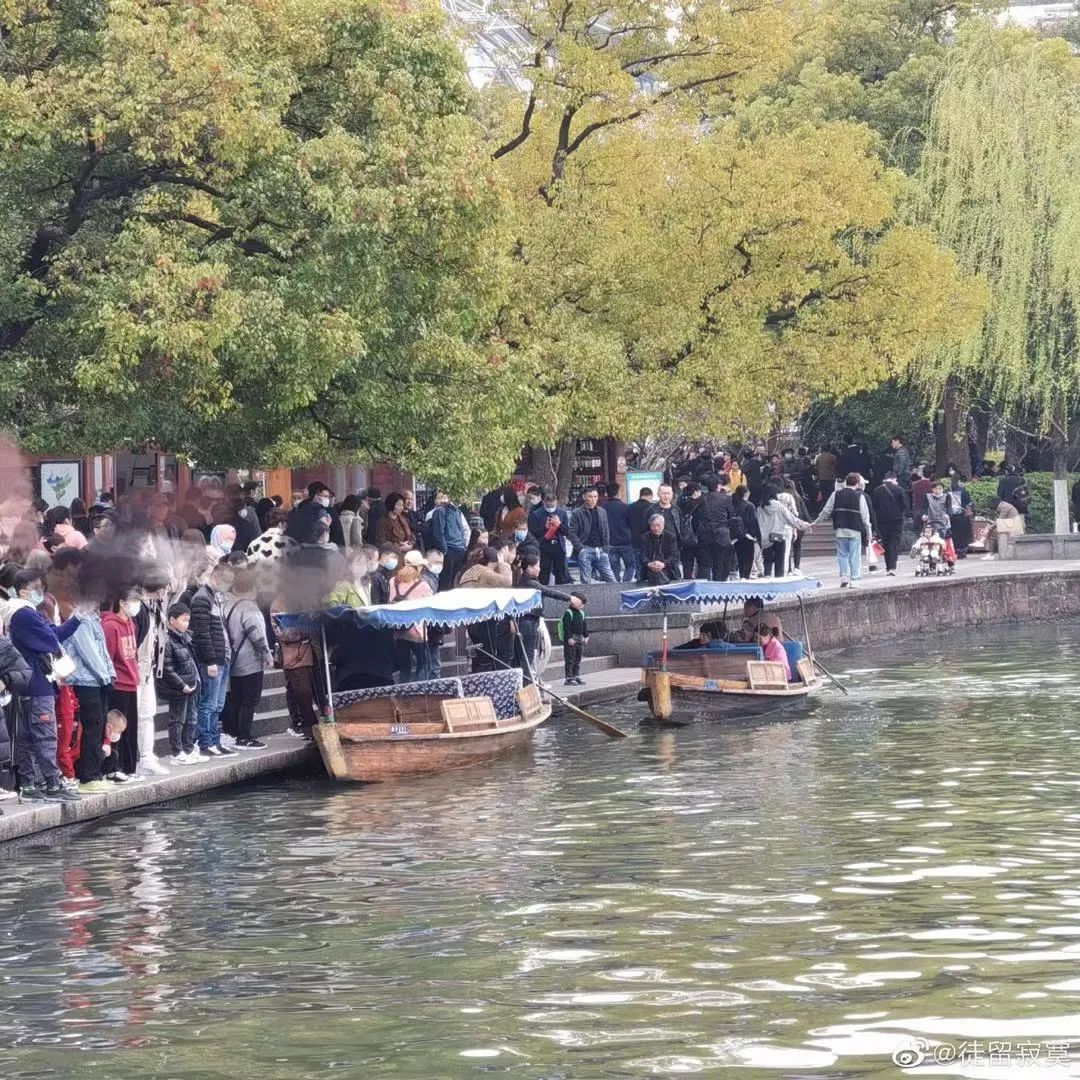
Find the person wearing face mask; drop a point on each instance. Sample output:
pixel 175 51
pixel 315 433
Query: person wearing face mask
pixel 302 519
pixel 449 537
pixel 384 573
pixel 511 515
pixel 120 639
pixel 39 644
pixel 549 525
pixel 222 539
pixel 525 544
pixel 534 496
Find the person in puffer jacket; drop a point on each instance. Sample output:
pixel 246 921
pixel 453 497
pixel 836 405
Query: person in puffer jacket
pixel 92 682
pixel 178 684
pixel 211 646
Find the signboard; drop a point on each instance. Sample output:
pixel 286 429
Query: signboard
pixel 635 481
pixel 60 482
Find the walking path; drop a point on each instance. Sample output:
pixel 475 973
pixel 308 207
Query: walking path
pixel 285 753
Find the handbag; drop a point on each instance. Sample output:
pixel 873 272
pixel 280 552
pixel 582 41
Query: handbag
pixel 777 538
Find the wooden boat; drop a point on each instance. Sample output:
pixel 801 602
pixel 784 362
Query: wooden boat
pixel 409 729
pixel 715 678
pixel 386 737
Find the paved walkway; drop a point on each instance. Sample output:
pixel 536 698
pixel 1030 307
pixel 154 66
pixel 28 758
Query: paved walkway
pixel 283 752
pixel 973 566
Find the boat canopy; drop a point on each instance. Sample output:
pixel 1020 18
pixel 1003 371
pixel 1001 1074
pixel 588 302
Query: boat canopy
pixel 456 607
pixel 714 592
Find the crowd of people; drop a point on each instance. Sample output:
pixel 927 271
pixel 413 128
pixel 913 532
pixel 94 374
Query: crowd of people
pixel 108 610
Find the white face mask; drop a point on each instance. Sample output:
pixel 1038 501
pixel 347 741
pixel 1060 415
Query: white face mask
pixel 133 607
pixel 114 736
pixel 323 500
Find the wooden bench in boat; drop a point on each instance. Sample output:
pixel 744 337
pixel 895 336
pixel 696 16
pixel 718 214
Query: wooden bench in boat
pixel 431 708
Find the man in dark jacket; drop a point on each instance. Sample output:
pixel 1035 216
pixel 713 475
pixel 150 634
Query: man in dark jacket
pixel 622 555
pixel 14 682
pixel 659 553
pixel 550 524
pixel 35 744
pixel 590 536
pixel 384 574
pixel 210 644
pixel 888 504
pixel 713 524
pixel 302 521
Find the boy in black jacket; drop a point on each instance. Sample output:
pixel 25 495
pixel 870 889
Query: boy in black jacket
pixel 178 684
pixel 575 635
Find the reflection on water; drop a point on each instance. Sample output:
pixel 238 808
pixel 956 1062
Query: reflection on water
pixel 788 898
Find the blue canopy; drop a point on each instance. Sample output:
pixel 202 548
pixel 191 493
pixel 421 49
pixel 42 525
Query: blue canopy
pixel 715 592
pixel 456 607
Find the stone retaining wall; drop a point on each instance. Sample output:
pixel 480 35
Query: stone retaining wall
pixel 838 619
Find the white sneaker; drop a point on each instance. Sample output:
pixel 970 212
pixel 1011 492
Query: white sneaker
pixel 154 767
pixel 988 558
pixel 227 741
pixel 891 573
pixel 294 733
pixel 185 759
pixel 5 795
pixel 853 585
pixel 135 778
pixel 796 573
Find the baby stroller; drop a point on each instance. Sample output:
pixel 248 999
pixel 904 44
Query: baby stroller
pixel 928 551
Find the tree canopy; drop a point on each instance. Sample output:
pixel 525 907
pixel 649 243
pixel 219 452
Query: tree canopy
pixel 690 253
pixel 246 231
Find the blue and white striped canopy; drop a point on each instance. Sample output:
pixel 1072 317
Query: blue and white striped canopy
pixel 714 592
pixel 456 607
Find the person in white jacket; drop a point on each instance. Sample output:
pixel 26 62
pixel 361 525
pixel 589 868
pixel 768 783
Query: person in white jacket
pixel 778 526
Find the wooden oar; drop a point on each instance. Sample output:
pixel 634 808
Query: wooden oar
pixel 608 729
pixel 824 670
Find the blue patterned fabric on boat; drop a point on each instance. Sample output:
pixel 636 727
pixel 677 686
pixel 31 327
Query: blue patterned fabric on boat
pixel 443 687
pixel 500 686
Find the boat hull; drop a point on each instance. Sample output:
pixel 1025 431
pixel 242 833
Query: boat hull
pixel 351 751
pixel 722 699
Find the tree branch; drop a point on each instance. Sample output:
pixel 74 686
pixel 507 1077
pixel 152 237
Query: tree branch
pixel 522 135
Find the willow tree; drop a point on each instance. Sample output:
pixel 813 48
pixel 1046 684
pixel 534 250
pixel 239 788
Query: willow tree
pixel 683 262
pixel 999 183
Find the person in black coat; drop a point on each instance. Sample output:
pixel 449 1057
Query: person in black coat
pixel 714 526
pixel 888 503
pixel 659 553
pixel 14 683
pixel 302 520
pixel 745 511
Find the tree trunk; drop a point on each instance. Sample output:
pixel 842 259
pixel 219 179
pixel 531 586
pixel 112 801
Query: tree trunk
pixel 563 468
pixel 1059 441
pixel 981 419
pixel 950 429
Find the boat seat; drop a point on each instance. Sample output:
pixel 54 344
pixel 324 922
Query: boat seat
pixel 795 653
pixel 500 686
pixel 469 714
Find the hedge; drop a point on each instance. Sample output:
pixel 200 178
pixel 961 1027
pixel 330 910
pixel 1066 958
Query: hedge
pixel 1040 515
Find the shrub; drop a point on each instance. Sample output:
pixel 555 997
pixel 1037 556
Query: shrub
pixel 1040 515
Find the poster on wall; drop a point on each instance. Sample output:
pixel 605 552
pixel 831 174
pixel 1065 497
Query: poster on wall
pixel 635 481
pixel 60 481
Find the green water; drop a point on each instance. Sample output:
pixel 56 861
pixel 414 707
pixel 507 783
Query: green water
pixel 797 897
